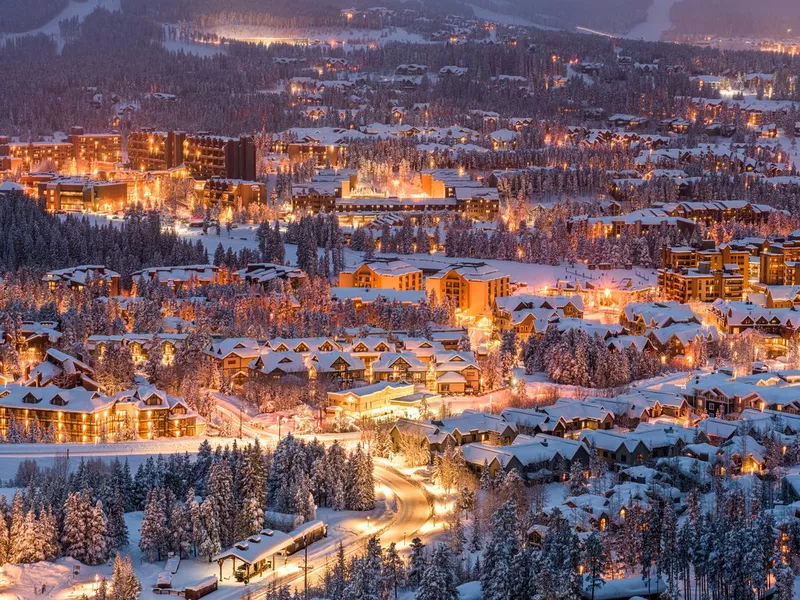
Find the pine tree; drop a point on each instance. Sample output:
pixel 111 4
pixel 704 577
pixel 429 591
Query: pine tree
pixel 594 562
pixel 220 491
pixel 180 525
pixel 97 535
pixel 438 580
pixel 393 570
pixel 498 555
pixel 154 532
pixel 207 533
pixel 125 584
pixel 416 562
pixel 339 576
pixel 784 583
pixel 576 486
pixel 117 528
pixel 16 530
pixel 4 539
pixel 360 483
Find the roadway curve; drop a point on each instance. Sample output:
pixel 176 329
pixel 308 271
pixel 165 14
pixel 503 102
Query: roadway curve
pixel 413 511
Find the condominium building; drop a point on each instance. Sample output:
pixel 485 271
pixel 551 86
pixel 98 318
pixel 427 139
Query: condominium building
pixel 86 151
pixel 780 260
pixel 702 284
pixel 472 286
pixel 43 155
pixel 233 193
pixel 95 149
pixel 150 150
pixel 725 257
pixel 203 154
pixel 389 274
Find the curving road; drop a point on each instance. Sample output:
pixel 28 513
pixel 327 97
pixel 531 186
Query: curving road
pixel 414 510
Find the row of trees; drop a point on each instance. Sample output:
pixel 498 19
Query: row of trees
pixel 574 357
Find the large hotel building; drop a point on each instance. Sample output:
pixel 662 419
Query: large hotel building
pixel 202 154
pixel 84 150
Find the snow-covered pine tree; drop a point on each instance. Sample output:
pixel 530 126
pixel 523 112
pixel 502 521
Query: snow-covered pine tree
pixel 416 562
pixel 498 554
pixel 16 529
pixel 594 562
pixel 207 533
pixel 117 528
pixel 220 491
pixel 97 550
pixel 438 579
pixel 154 534
pixel 125 584
pixel 180 529
pixel 360 488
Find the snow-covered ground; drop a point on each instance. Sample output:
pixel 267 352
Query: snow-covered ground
pixel 657 23
pixel 504 19
pixel 72 10
pixel 350 37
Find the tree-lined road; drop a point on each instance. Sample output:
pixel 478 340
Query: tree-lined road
pixel 413 511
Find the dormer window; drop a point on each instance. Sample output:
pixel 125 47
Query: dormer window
pixel 29 398
pixel 58 401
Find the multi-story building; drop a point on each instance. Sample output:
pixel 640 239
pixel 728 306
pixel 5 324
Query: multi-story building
pixel 725 257
pixel 472 286
pixel 75 414
pixel 233 193
pixel 84 151
pixel 79 195
pixel 780 260
pixel 702 284
pixel 720 212
pixel 150 150
pixel 442 190
pixel 208 155
pixel 390 274
pixel 204 155
pixel 179 276
pixel 264 273
pixel 78 277
pixel 94 150
pixel 637 223
pixel 43 155
pixel 81 415
pixel 152 413
pixel 232 356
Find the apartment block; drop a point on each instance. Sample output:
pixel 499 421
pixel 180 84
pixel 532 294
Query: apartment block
pixel 472 286
pixel 702 284
pixel 388 274
pixel 204 155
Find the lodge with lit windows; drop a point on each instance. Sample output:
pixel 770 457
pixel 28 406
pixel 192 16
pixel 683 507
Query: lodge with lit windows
pixel 472 286
pixel 443 190
pixel 386 274
pixel 81 415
